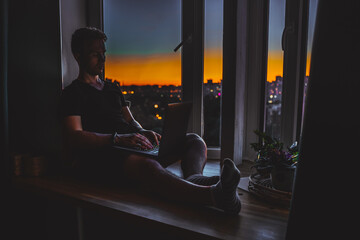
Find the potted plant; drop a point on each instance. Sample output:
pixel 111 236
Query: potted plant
pixel 274 162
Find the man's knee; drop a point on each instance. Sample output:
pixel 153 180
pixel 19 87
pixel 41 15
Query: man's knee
pixel 137 167
pixel 150 165
pixel 140 163
pixel 193 137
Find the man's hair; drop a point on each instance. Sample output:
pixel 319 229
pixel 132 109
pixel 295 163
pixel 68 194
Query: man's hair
pixel 83 35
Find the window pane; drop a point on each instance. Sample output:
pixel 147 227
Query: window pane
pixel 212 70
pixel 273 86
pixel 141 37
pixel 312 16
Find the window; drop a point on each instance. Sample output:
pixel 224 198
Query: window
pixel 235 86
pixel 288 66
pixel 140 56
pixel 212 71
pixel 274 80
pixel 141 38
pixel 312 16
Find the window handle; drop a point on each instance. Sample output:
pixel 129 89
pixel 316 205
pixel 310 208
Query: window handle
pixel 187 40
pixel 287 30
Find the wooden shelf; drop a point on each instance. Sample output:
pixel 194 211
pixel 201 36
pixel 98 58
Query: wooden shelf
pixel 257 220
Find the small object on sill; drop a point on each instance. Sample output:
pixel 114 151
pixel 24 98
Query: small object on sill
pixel 18 163
pixel 262 187
pixel 29 165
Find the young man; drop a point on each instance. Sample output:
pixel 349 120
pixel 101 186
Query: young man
pixel 94 109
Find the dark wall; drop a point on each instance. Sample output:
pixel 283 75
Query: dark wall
pixel 34 79
pixel 5 179
pixel 326 186
pixel 34 87
pixel 3 89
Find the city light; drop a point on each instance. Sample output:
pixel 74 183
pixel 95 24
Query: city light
pixel 158 116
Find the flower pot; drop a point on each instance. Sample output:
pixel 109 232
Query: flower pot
pixel 282 178
pixel 264 171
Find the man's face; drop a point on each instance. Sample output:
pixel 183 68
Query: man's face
pixel 92 59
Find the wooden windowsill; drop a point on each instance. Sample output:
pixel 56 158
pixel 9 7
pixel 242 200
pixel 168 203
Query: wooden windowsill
pixel 257 219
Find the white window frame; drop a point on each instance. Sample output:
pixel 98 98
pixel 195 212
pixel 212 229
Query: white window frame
pixel 245 66
pixel 245 37
pixel 295 48
pixel 193 13
pixel 245 56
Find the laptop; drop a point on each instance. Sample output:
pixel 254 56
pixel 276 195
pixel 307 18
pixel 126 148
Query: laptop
pixel 173 134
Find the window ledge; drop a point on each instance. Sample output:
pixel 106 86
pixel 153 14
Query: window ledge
pixel 255 221
pixel 213 153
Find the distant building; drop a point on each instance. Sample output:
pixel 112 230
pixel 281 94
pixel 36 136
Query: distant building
pixel 273 91
pixel 212 89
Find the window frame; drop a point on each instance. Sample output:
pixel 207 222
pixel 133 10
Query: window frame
pixel 95 13
pixel 245 39
pixel 246 31
pixel 295 36
pixel 241 77
pixel 192 59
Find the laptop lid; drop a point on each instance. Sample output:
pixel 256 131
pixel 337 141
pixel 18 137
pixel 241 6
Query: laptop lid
pixel 173 133
pixel 175 128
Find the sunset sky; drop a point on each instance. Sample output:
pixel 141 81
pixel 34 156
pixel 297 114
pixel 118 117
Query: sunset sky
pixel 142 35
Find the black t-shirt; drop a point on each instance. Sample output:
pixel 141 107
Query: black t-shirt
pixel 100 110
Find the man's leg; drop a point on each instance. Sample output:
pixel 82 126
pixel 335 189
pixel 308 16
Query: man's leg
pixel 195 155
pixel 194 160
pixel 150 174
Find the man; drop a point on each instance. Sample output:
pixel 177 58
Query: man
pixel 95 117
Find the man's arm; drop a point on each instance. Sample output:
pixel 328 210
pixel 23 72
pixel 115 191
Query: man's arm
pixel 151 135
pixel 130 119
pixel 76 137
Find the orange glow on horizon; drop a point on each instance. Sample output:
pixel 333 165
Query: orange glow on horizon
pixel 155 69
pixel 276 62
pixel 165 69
pixel 275 65
pixel 213 65
pixel 308 61
pixel 158 69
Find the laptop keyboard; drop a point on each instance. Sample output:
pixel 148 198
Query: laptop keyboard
pixel 155 149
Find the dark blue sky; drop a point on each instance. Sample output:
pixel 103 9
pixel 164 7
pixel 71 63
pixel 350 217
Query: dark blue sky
pixel 142 26
pixel 146 27
pixel 277 22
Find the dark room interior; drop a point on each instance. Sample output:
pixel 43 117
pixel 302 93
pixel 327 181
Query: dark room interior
pixel 35 60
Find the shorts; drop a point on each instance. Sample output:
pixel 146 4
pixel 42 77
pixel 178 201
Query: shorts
pixel 104 165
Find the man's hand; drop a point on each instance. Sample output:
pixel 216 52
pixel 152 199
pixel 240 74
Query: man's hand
pixel 152 136
pixel 133 140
